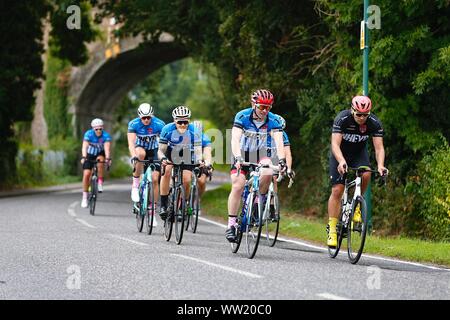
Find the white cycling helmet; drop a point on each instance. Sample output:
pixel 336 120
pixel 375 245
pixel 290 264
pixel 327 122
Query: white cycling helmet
pixel 145 110
pixel 181 112
pixel 283 122
pixel 97 123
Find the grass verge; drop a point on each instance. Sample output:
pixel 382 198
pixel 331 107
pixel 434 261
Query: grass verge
pixel 214 204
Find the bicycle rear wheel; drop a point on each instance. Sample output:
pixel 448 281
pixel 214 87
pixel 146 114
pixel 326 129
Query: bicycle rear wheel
pixel 150 212
pixel 179 214
pixel 254 225
pixel 93 195
pixel 272 222
pixel 357 231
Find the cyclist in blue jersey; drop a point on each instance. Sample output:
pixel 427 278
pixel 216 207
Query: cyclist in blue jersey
pixel 250 142
pixel 180 142
pixel 96 146
pixel 143 136
pixel 350 133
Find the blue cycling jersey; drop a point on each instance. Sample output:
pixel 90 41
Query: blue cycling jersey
pixel 256 136
pixel 146 135
pixel 191 138
pixel 96 144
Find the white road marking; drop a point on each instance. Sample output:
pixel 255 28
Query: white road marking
pixel 244 273
pixel 330 296
pixel 325 249
pixel 129 240
pixel 71 209
pixel 85 223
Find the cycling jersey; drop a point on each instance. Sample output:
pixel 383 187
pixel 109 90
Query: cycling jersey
pixel 96 144
pixel 256 138
pixel 188 141
pixel 355 136
pixel 146 135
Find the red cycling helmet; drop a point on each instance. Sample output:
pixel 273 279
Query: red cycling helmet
pixel 262 96
pixel 361 104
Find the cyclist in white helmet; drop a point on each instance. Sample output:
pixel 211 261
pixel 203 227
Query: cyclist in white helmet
pixel 143 135
pixel 96 146
pixel 181 141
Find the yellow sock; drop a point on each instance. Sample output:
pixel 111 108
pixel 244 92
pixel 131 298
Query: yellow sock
pixel 332 222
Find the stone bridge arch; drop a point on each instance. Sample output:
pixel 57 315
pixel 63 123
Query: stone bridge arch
pixel 97 88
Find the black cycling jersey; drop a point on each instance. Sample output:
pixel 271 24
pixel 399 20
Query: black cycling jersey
pixel 355 136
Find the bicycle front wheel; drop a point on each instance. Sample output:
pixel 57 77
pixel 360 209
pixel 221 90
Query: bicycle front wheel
pixel 272 222
pixel 180 214
pixel 150 212
pixel 254 225
pixel 195 202
pixel 93 195
pixel 357 229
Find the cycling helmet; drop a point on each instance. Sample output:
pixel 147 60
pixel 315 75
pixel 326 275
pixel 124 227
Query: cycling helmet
pixel 145 110
pixel 283 122
pixel 361 104
pixel 262 96
pixel 97 123
pixel 181 112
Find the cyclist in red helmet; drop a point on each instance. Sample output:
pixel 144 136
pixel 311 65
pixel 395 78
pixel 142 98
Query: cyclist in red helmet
pixel 250 142
pixel 351 131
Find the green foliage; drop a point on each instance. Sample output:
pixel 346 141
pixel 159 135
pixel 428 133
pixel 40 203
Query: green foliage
pixel 434 193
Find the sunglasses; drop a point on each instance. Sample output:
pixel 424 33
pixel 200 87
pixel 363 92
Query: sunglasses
pixel 98 129
pixel 263 106
pixel 146 118
pixel 362 115
pixel 183 123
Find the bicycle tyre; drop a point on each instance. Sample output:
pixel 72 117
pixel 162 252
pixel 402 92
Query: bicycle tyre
pixel 140 215
pixel 195 209
pixel 357 233
pixel 254 225
pixel 179 214
pixel 93 195
pixel 168 223
pixel 150 212
pixel 272 227
pixel 241 222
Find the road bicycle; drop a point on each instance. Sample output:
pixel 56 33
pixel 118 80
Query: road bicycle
pixel 250 219
pixel 193 205
pixel 354 229
pixel 93 185
pixel 145 209
pixel 176 209
pixel 272 217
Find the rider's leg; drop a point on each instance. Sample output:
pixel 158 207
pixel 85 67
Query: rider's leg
pixel 365 181
pixel 155 179
pixel 140 153
pixel 164 188
pixel 100 168
pixel 187 176
pixel 86 180
pixel 201 185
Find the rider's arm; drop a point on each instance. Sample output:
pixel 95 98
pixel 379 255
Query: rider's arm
pixel 207 155
pixel 379 152
pixel 278 138
pixel 84 148
pixel 162 150
pixel 287 152
pixel 236 134
pixel 336 140
pixel 131 143
pixel 108 150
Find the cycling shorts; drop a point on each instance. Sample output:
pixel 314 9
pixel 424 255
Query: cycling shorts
pixel 354 160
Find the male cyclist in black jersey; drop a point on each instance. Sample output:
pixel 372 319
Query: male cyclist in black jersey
pixel 351 131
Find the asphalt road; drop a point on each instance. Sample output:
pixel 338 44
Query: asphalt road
pixel 51 248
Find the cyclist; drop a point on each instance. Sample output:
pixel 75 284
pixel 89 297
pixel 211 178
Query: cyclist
pixel 143 135
pixel 250 143
pixel 181 142
pixel 96 146
pixel 350 133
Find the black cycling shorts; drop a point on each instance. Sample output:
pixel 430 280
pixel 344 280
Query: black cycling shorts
pixel 355 160
pixel 152 154
pixel 88 164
